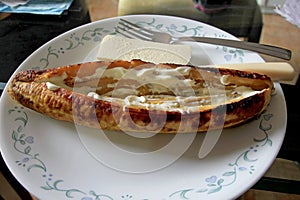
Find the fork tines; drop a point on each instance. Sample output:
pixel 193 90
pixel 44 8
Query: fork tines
pixel 131 30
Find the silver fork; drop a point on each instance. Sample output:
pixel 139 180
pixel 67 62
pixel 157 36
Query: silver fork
pixel 131 30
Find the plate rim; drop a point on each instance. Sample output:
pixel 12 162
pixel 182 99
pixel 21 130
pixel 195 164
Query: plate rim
pixel 100 22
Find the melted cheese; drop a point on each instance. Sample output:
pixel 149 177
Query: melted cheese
pixel 101 72
pixel 52 86
pixel 159 81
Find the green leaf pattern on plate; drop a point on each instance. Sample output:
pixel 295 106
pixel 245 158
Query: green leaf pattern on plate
pixel 29 160
pixel 230 54
pixel 72 43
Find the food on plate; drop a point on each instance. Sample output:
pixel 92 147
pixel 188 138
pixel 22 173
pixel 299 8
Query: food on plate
pixel 120 48
pixel 139 96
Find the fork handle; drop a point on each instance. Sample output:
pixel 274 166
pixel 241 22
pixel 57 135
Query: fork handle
pixel 251 46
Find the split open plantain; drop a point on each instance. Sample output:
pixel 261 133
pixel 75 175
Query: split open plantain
pixel 144 97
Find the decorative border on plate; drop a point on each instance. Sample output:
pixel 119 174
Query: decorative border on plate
pixel 244 162
pixel 72 42
pixel 23 143
pixel 230 54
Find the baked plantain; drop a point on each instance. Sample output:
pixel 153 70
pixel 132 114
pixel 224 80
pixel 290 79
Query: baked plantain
pixel 144 97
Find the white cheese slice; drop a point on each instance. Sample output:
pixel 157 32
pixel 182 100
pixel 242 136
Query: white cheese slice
pixel 120 48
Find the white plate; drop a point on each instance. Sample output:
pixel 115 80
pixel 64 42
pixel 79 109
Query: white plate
pixel 53 161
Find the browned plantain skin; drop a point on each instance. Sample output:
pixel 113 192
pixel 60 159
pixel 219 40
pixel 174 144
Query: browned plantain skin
pixel 64 104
